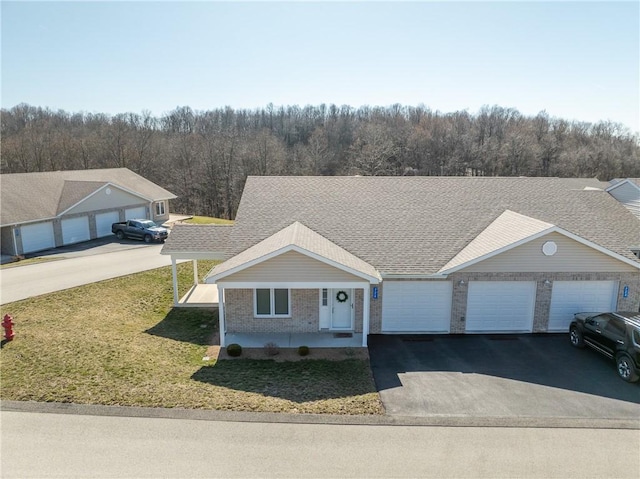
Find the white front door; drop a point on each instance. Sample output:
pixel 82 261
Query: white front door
pixel 342 309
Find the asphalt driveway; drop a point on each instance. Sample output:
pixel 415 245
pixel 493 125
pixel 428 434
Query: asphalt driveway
pixel 498 376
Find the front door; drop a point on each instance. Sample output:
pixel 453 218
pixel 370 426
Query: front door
pixel 342 309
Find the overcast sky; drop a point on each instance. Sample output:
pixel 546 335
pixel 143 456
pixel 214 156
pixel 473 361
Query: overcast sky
pixel 576 60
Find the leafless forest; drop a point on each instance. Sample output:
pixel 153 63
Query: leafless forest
pixel 204 157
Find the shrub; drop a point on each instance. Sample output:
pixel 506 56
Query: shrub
pixel 303 350
pixel 234 350
pixel 271 349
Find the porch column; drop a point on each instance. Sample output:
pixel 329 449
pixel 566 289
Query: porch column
pixel 195 271
pixel 174 273
pixel 221 317
pixel 365 313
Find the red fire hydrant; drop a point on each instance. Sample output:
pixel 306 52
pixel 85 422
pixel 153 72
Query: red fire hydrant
pixel 7 324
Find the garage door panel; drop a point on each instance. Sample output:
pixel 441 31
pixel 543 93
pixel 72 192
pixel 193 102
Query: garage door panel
pixel 135 213
pixel 75 230
pixel 416 306
pixel 570 297
pixel 104 222
pixel 500 306
pixel 37 237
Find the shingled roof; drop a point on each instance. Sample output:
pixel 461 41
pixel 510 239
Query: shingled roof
pixel 416 225
pixel 36 196
pixel 200 239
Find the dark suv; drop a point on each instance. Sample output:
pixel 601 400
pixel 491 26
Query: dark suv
pixel 616 335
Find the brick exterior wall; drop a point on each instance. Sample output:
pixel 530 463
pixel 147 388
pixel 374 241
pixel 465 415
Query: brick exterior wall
pixel 305 313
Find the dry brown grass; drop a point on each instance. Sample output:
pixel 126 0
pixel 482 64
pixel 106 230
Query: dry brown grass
pixel 119 342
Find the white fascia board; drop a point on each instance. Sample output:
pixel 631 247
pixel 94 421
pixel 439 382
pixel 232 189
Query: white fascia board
pixel 103 187
pixel 553 229
pixel 623 182
pixel 346 269
pixel 292 284
pixel 21 223
pixel 413 276
pixel 195 255
pixel 499 251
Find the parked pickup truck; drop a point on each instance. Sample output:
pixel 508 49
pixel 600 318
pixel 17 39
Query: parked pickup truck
pixel 145 230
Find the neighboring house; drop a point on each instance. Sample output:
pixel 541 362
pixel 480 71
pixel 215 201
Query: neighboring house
pixel 443 255
pixel 627 192
pixel 45 210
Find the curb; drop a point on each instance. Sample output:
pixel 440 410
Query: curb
pixel 328 419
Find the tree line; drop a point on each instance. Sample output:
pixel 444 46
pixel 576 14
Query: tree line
pixel 204 157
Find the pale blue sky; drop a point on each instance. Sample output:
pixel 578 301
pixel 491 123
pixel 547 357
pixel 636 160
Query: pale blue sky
pixel 576 60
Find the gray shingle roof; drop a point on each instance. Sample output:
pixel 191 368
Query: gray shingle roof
pixel 33 196
pixel 305 239
pixel 415 225
pixel 186 238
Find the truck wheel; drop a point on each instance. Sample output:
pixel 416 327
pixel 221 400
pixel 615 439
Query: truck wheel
pixel 120 235
pixel 625 368
pixel 147 238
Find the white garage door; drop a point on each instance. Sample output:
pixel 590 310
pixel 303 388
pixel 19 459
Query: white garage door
pixel 416 306
pixel 37 237
pixel 135 213
pixel 75 230
pixel 570 297
pixel 500 306
pixel 104 222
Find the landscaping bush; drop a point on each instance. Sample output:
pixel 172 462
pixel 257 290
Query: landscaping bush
pixel 303 350
pixel 234 350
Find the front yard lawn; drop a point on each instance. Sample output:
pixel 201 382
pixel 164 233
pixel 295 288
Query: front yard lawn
pixel 119 342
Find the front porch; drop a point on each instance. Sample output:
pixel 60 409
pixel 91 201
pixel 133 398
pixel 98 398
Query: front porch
pixel 294 340
pixel 199 296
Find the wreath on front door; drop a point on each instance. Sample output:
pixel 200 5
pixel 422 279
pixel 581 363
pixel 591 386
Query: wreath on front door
pixel 342 296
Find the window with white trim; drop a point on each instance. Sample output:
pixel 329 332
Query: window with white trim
pixel 272 303
pixel 160 208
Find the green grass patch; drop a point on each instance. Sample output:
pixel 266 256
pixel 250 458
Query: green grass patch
pixel 120 342
pixel 208 220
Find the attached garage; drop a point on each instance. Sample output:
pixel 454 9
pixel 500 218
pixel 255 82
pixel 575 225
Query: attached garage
pixel 104 222
pixel 570 297
pixel 75 230
pixel 500 306
pixel 135 213
pixel 416 306
pixel 37 237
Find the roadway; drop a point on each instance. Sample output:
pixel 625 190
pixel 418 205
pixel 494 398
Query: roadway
pixel 65 445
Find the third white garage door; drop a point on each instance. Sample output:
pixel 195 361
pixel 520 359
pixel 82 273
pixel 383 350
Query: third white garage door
pixel 104 222
pixel 570 297
pixel 416 306
pixel 500 306
pixel 139 213
pixel 75 230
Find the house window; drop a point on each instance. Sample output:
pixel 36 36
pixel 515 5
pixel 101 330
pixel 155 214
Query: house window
pixel 325 297
pixel 160 208
pixel 272 303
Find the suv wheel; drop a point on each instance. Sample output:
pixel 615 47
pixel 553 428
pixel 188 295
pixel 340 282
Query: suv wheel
pixel 147 238
pixel 575 336
pixel 625 368
pixel 120 235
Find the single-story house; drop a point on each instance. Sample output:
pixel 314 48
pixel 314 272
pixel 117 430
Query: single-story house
pixel 627 192
pixel 39 211
pixel 437 255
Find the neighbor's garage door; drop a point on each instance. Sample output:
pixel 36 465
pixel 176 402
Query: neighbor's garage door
pixel 37 237
pixel 104 222
pixel 75 230
pixel 500 306
pixel 136 213
pixel 570 297
pixel 416 306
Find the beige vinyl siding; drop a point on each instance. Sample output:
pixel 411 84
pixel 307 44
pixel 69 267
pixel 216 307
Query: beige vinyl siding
pixel 291 267
pixel 629 196
pixel 102 201
pixel 570 257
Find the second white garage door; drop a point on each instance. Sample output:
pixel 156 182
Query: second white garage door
pixel 38 236
pixel 416 306
pixel 104 222
pixel 139 213
pixel 570 297
pixel 500 306
pixel 75 230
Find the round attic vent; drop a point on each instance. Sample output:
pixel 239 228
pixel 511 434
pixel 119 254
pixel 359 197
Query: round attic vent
pixel 549 248
pixel 108 191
